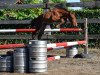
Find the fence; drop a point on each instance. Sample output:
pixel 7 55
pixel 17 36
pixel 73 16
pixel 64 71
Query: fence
pixel 91 4
pixel 27 22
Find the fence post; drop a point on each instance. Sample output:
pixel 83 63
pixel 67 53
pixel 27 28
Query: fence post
pixel 45 10
pixel 86 36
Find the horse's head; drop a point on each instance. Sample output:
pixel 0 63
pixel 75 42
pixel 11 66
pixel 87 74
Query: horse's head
pixel 72 19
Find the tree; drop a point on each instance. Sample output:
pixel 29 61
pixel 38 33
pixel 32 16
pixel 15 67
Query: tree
pixel 22 13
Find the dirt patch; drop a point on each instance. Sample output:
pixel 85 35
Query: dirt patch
pixel 71 66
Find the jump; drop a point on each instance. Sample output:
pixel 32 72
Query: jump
pixel 56 14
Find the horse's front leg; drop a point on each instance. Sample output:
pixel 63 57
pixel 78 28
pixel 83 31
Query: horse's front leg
pixel 62 21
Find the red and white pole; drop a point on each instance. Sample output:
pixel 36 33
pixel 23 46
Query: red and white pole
pixel 65 44
pixel 8 46
pixel 52 58
pixel 46 30
pixel 49 46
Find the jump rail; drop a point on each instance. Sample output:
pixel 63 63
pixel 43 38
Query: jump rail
pixel 49 46
pixel 7 46
pixel 65 44
pixel 46 30
pixel 52 58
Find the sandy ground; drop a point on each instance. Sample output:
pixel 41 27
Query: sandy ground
pixel 70 66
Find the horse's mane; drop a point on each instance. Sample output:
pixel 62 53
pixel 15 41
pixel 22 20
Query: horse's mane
pixel 36 22
pixel 62 8
pixel 37 18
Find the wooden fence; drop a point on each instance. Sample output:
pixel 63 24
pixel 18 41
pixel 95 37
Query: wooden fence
pixel 64 37
pixel 91 4
pixel 27 22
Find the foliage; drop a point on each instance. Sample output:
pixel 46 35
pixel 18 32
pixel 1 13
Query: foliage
pixel 87 0
pixel 86 13
pixel 32 1
pixel 58 1
pixel 21 13
pixel 93 28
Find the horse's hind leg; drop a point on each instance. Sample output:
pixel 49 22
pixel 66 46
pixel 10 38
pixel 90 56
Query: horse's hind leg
pixel 41 31
pixel 38 34
pixel 34 35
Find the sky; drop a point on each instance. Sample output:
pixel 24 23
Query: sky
pixel 75 8
pixel 73 0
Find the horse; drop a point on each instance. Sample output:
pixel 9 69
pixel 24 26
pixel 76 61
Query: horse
pixel 19 2
pixel 56 14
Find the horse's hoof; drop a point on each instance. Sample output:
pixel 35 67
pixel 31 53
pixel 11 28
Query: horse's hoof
pixel 57 26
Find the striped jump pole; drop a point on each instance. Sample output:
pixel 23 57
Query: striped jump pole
pixel 52 58
pixel 49 46
pixel 8 46
pixel 65 44
pixel 46 30
pixel 55 48
pixel 71 51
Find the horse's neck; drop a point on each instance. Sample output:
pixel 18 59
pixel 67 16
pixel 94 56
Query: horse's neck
pixel 38 19
pixel 47 14
pixel 61 10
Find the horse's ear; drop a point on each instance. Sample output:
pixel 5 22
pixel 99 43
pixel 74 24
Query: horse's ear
pixel 72 13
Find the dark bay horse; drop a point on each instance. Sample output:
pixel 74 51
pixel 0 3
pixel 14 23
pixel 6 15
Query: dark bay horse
pixel 53 15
